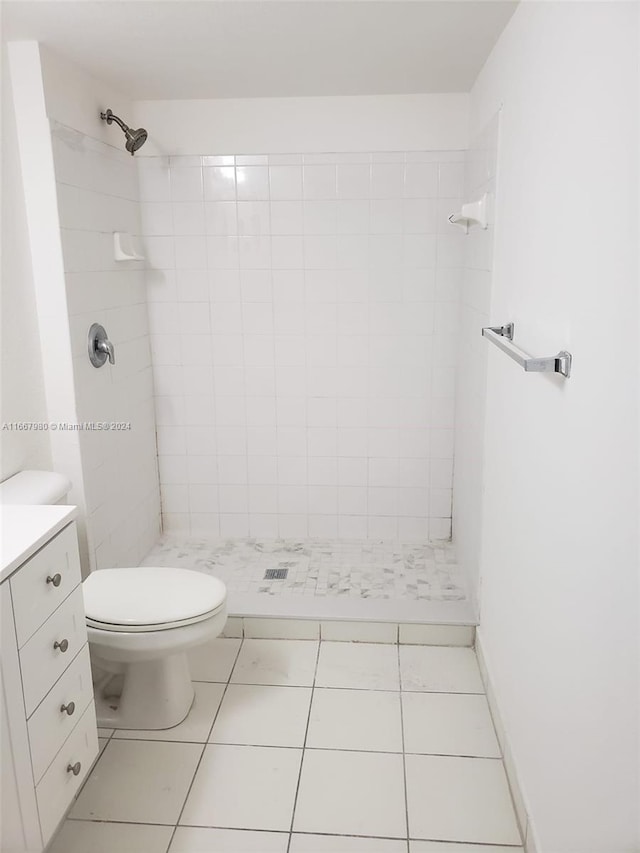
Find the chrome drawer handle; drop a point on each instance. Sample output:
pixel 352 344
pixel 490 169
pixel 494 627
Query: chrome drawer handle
pixel 74 768
pixel 56 580
pixel 63 645
pixel 69 708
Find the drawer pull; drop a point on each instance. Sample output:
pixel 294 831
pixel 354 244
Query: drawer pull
pixel 63 645
pixel 69 708
pixel 74 768
pixel 56 580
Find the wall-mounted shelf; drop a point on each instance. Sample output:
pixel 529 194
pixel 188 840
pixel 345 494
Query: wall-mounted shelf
pixel 126 247
pixel 470 214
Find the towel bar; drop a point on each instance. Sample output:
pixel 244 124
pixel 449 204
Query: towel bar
pixel 502 337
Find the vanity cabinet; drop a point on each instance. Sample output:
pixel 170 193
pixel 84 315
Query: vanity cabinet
pixel 49 732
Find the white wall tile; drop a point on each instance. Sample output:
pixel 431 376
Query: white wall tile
pixel 387 180
pixel 319 181
pixel 186 184
pixel 252 182
pixel 303 314
pixel 219 183
pixel 353 181
pixel 285 182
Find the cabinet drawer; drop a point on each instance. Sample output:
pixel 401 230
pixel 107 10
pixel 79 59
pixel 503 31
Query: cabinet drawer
pixel 49 726
pixel 59 786
pixel 41 661
pixel 35 599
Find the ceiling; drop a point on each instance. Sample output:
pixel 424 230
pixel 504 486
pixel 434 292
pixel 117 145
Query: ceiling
pixel 164 49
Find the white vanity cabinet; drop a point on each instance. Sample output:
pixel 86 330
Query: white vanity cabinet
pixel 49 733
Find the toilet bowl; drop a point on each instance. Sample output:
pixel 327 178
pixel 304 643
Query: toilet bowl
pixel 141 622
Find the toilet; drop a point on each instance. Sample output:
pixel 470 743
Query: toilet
pixel 140 622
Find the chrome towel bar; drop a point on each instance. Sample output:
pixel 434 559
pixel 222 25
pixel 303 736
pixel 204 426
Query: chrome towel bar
pixel 502 337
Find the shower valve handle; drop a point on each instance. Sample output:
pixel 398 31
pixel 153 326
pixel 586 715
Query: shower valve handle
pixel 100 347
pixel 106 347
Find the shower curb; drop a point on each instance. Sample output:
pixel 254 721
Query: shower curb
pixel 339 630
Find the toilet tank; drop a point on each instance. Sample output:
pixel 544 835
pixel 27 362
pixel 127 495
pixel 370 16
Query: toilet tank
pixel 33 488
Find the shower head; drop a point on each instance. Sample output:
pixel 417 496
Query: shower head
pixel 135 138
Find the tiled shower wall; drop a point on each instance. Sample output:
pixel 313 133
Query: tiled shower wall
pixel 475 308
pixel 303 313
pixel 97 192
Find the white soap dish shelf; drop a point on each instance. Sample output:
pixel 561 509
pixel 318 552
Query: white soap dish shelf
pixel 126 247
pixel 473 213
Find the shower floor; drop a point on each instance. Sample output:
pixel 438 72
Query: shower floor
pixel 365 579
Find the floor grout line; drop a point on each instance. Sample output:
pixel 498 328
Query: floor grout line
pixel 404 758
pixel 304 745
pixel 204 746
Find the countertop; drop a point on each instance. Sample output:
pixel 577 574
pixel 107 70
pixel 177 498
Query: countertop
pixel 25 529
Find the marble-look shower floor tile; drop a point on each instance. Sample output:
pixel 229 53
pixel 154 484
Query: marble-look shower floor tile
pixel 362 569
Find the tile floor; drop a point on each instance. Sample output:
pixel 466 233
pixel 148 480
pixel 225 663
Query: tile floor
pixel 362 569
pixel 299 746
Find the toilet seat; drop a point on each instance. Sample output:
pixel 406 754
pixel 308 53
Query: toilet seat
pixel 150 598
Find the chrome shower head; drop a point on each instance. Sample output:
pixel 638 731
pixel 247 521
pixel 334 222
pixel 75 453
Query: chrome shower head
pixel 135 138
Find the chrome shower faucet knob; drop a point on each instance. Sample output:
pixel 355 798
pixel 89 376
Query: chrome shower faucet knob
pixel 100 347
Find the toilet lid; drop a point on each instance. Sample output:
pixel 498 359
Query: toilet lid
pixel 150 595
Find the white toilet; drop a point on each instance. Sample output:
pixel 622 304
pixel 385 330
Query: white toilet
pixel 140 623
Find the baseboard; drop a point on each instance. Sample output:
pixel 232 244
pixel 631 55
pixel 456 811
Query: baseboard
pixel 522 814
pixel 354 631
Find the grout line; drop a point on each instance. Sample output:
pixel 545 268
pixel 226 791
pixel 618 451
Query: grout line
pixel 356 689
pixel 304 746
pixel 404 758
pixel 204 746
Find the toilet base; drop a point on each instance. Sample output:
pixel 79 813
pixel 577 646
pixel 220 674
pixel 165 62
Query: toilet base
pixel 156 694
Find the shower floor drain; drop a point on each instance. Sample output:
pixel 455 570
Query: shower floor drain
pixel 276 574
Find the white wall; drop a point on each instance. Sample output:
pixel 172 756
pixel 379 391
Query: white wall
pixel 97 194
pixel 559 602
pixel 78 191
pixel 312 125
pixel 45 248
pixel 21 356
pixel 471 372
pixel 303 311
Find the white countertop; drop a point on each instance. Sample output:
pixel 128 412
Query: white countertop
pixel 25 529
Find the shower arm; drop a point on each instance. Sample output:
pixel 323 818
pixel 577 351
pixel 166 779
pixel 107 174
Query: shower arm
pixel 109 117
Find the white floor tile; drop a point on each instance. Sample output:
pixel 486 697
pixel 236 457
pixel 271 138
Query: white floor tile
pixel 345 844
pixel 282 629
pixel 213 661
pixel 276 662
pixel 81 836
pixel 366 666
pixel 197 725
pixel 448 724
pixel 262 715
pixel 105 732
pixel 459 799
pixel 440 847
pixel 439 669
pixel 244 787
pixel 360 632
pixel 352 793
pixel 233 627
pixel 139 781
pixel 437 635
pixel 355 719
pixel 191 839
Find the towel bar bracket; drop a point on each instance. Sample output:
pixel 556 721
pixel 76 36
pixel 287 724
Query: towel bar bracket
pixel 505 331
